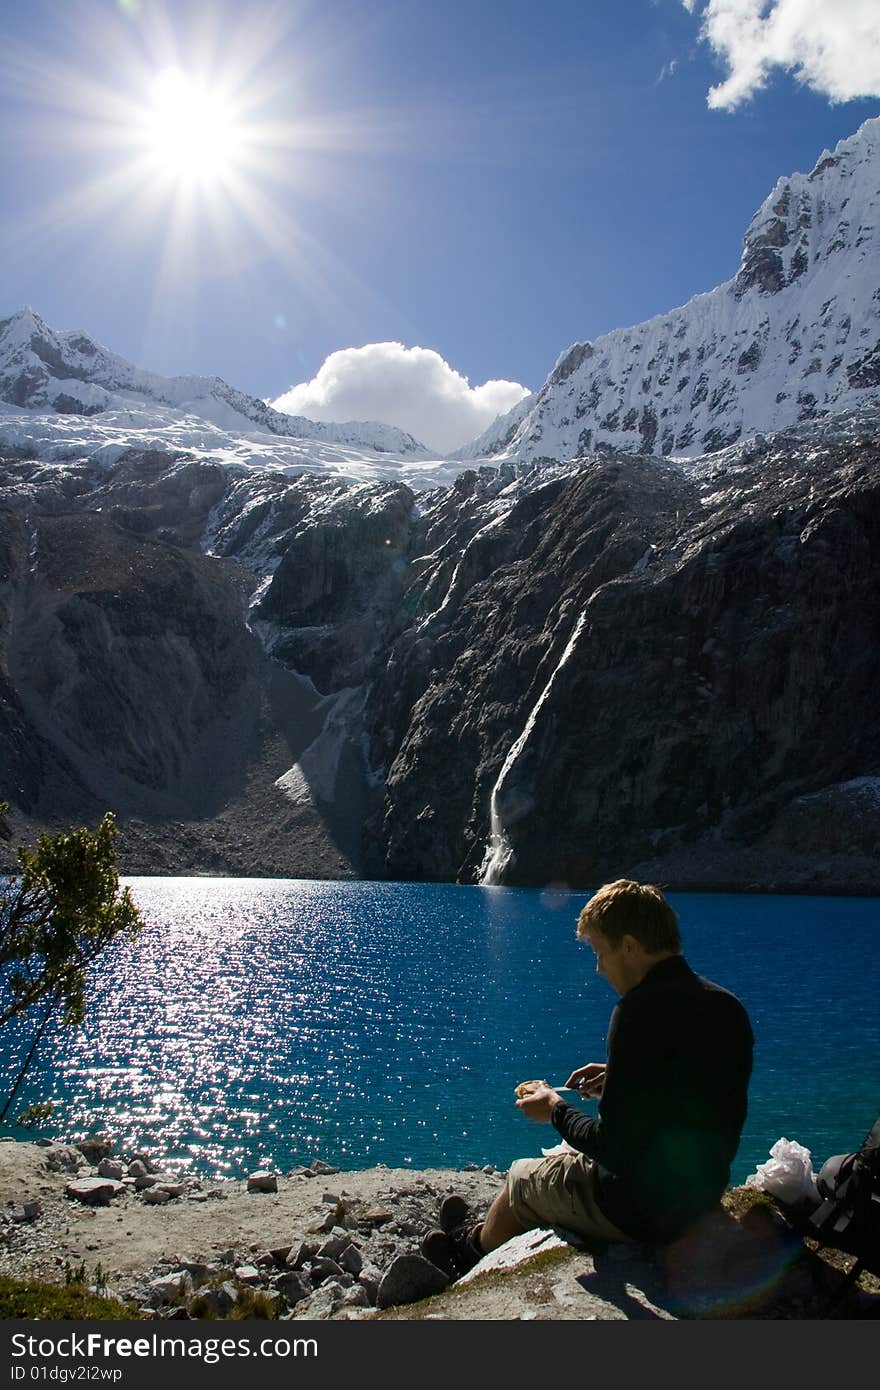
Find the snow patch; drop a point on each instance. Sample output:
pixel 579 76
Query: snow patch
pixel 295 787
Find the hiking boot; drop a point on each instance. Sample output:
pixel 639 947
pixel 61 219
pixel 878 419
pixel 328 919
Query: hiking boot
pixel 453 1211
pixel 466 1245
pixel 456 1251
pixel 437 1247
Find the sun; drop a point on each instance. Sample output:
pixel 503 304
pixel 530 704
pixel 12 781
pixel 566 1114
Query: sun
pixel 189 132
pixel 198 141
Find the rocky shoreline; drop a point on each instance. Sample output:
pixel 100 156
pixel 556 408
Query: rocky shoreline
pixel 317 1243
pixel 200 849
pixel 312 1242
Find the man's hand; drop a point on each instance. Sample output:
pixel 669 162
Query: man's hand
pixel 538 1104
pixel 589 1080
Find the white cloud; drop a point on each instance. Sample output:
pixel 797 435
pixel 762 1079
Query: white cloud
pixel 413 388
pixel 832 46
pixel 667 70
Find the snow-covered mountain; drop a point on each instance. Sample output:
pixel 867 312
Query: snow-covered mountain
pixel 497 436
pixel 67 373
pixel 794 336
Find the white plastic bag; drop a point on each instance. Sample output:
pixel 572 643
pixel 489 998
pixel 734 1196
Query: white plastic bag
pixel 787 1174
pixel 562 1148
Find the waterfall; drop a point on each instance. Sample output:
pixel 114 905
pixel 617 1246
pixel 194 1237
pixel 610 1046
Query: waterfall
pixel 499 850
pixel 496 521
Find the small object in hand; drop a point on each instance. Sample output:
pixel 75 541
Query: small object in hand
pixel 528 1088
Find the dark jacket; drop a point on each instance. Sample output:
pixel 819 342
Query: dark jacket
pixel 679 1058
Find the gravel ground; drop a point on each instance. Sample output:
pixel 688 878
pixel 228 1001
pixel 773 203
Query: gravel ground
pixel 217 1224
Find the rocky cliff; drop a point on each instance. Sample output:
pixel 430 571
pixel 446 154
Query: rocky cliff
pixel 535 676
pixel 643 665
pixel 131 679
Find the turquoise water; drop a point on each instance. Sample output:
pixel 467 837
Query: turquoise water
pixel 264 1021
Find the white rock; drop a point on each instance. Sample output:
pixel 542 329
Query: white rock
pixel 262 1182
pixel 170 1286
pixel 95 1192
pixel 516 1251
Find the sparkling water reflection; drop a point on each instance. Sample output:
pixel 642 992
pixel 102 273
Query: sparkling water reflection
pixel 265 1021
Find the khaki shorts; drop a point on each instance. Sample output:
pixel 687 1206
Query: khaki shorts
pixel 559 1191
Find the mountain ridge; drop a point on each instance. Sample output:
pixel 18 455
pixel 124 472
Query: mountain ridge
pixel 32 354
pixel 793 335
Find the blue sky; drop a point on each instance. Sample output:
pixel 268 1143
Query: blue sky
pixel 489 179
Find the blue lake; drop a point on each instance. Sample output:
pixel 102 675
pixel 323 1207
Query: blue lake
pixel 274 1021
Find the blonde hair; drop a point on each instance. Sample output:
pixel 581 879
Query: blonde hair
pixel 627 908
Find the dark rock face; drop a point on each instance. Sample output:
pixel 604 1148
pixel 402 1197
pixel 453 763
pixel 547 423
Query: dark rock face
pixel 866 370
pixel 130 679
pixel 762 266
pixel 617 663
pixel 115 649
pixel 728 631
pixel 574 358
pixel 337 579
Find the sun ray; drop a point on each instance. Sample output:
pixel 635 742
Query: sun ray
pixel 184 147
pixel 171 286
pixel 102 196
pixel 323 278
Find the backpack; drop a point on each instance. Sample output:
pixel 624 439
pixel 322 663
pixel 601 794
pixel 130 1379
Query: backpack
pixel 848 1217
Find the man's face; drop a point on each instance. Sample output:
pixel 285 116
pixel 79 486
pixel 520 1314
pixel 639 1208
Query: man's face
pixel 612 962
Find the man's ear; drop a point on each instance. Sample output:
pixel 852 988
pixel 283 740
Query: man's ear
pixel 630 945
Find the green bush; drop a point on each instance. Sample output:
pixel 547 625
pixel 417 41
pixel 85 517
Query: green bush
pixel 56 917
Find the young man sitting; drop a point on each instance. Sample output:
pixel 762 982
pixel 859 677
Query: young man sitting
pixel 673 1095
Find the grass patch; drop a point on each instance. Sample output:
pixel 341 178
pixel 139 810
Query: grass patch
pixel 736 1201
pixel 252 1303
pixel 25 1298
